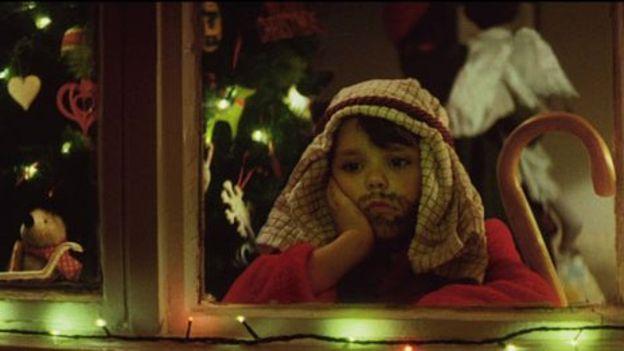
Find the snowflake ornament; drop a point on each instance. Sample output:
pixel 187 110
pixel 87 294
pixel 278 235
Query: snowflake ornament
pixel 232 195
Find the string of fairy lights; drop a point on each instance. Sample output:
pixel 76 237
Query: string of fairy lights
pixel 505 342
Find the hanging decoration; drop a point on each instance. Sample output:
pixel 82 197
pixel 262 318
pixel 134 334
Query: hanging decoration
pixel 284 20
pixel 77 53
pixel 24 90
pixel 73 38
pixel 232 196
pixel 213 29
pixel 76 101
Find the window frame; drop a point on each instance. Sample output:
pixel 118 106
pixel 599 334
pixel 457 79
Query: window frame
pixel 127 179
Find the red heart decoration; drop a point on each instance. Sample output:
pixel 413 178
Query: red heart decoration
pixel 81 98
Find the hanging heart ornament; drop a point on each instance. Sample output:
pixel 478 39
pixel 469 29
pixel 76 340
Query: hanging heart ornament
pixel 24 90
pixel 76 101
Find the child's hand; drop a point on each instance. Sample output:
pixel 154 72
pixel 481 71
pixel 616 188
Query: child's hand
pixel 345 213
pixel 355 241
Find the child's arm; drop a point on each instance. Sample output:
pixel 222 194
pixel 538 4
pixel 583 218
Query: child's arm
pixel 331 262
pixel 509 282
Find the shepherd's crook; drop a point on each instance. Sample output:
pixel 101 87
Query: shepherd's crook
pixel 521 219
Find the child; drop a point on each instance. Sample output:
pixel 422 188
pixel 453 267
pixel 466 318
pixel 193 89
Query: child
pixel 379 209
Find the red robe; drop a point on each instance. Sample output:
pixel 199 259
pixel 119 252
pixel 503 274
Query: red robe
pixel 284 278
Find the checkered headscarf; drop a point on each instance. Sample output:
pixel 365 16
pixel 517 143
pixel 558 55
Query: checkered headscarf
pixel 449 237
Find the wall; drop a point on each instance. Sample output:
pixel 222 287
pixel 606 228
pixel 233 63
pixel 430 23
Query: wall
pixel 580 34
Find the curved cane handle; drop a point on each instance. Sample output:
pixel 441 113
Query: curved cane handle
pixel 47 271
pixel 521 219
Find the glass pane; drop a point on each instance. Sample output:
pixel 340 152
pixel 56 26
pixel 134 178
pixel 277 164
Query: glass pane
pixel 48 138
pixel 258 120
pixel 257 54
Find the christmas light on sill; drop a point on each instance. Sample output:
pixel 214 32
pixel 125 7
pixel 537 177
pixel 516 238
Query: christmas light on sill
pixel 4 74
pixel 66 148
pixel 42 21
pixel 574 342
pixel 102 324
pixel 260 136
pixel 253 334
pixel 223 104
pixel 189 323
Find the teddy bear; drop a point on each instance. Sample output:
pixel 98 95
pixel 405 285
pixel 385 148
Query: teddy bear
pixel 43 249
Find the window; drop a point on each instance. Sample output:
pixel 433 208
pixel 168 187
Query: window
pixel 150 164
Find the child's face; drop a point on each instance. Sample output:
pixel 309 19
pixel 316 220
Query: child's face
pixel 383 182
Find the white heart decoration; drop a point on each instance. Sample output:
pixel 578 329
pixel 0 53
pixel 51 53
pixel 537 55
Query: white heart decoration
pixel 24 90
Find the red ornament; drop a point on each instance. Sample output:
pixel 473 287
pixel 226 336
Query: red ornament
pixel 285 20
pixel 73 38
pixel 76 101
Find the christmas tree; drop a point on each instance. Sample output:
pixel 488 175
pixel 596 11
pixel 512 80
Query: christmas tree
pixel 47 135
pixel 259 83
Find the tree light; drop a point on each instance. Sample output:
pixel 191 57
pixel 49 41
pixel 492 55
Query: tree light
pixel 408 348
pixel 240 319
pixel 511 347
pixel 297 103
pixel 66 147
pixel 223 104
pixel 30 5
pixel 42 21
pixel 4 74
pixel 100 322
pixel 260 136
pixel 28 172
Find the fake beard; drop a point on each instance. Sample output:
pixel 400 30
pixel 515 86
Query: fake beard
pixel 397 220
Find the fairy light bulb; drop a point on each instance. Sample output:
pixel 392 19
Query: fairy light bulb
pixel 351 339
pixel 55 332
pixel 408 348
pixel 240 319
pixel 4 74
pixel 575 341
pixel 223 104
pixel 100 322
pixel 260 136
pixel 28 172
pixel 296 102
pixel 42 21
pixel 511 347
pixel 66 148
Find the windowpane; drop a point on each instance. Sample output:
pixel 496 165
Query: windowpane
pixel 49 142
pixel 257 121
pixel 253 139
